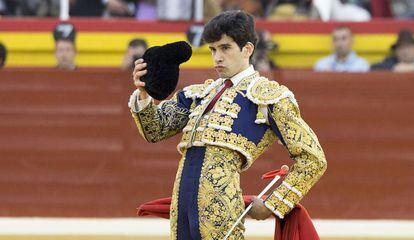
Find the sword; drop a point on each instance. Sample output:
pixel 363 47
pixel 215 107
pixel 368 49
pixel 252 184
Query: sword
pixel 274 180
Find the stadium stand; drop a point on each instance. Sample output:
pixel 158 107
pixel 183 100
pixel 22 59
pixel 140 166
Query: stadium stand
pixel 102 43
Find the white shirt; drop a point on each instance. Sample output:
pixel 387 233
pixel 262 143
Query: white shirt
pixel 352 63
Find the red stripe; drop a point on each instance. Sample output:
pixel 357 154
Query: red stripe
pixel 122 25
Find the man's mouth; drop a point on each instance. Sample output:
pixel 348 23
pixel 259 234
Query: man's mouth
pixel 219 68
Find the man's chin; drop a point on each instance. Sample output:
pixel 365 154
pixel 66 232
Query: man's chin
pixel 222 74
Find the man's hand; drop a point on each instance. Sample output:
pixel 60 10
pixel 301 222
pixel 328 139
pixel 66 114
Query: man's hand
pixel 118 7
pixel 259 211
pixel 139 71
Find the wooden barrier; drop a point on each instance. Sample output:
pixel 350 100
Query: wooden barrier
pixel 69 148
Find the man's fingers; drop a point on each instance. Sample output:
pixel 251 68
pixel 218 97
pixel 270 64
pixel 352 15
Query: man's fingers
pixel 138 61
pixel 139 74
pixel 258 211
pixel 139 67
pixel 138 83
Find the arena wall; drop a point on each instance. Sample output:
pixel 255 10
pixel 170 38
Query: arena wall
pixel 69 148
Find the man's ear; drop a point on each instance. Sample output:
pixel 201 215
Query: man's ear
pixel 248 49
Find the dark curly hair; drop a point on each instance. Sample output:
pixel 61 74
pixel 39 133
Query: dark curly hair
pixel 236 24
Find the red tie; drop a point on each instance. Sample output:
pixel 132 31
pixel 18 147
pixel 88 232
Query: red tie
pixel 227 83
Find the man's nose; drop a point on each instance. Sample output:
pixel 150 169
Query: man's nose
pixel 218 58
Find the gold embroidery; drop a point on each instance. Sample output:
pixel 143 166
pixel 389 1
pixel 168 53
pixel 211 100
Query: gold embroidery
pixel 234 108
pixel 164 121
pixel 227 108
pixel 220 122
pixel 174 200
pixel 265 90
pixel 261 91
pixel 268 139
pixel 223 105
pixel 198 90
pixel 220 199
pixel 283 190
pixel 292 197
pixel 243 84
pixel 304 148
pixel 229 95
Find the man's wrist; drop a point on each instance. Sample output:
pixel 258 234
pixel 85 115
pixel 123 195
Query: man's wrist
pixel 136 103
pixel 143 95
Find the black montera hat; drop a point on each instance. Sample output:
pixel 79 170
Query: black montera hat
pixel 64 31
pixel 163 68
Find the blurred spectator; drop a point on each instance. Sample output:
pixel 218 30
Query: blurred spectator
pixel 146 10
pixel 402 9
pixel 8 7
pixel 90 8
pixel 254 7
pixel 30 7
pixel 230 4
pixel 39 7
pixel 339 10
pixel 64 35
pixel 287 9
pixel 261 59
pixel 175 9
pixel 402 57
pixel 380 8
pixel 136 49
pixel 3 55
pixel 211 9
pixel 366 4
pixel 343 59
pixel 3 8
pixel 214 7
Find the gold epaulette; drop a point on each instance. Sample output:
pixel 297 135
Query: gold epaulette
pixel 262 91
pixel 200 90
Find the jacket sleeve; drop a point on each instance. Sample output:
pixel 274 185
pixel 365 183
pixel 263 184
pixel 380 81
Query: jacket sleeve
pixel 303 147
pixel 156 123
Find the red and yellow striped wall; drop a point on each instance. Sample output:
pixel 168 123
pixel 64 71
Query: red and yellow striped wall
pixel 101 43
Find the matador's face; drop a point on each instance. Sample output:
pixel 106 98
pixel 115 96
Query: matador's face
pixel 228 58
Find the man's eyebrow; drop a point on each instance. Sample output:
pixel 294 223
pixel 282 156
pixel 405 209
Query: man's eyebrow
pixel 225 45
pixel 220 46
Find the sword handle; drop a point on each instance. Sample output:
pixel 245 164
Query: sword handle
pixel 277 177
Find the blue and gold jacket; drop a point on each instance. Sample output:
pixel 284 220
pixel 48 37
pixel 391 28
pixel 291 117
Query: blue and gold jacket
pixel 248 118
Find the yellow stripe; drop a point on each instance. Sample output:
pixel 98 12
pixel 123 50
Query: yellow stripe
pixel 107 49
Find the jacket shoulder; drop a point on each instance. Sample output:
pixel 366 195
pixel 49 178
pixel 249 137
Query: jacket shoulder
pixel 200 90
pixel 263 91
